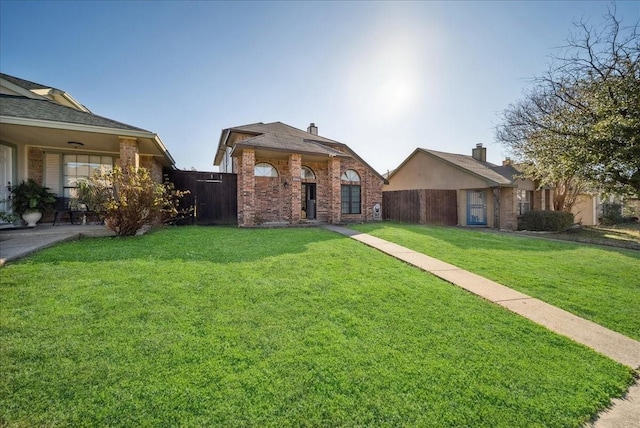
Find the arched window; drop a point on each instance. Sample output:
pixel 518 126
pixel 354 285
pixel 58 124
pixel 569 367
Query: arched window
pixel 264 169
pixel 351 175
pixel 307 174
pixel 350 196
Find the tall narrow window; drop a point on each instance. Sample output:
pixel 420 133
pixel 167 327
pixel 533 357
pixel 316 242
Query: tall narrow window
pixel 350 192
pixel 524 201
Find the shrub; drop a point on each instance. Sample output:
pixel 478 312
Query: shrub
pixel 549 221
pixel 129 199
pixel 30 196
pixel 611 214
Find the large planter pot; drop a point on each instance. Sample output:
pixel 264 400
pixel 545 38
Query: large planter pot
pixel 32 218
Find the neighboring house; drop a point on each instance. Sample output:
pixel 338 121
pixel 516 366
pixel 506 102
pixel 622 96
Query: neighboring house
pixel 487 195
pixel 287 175
pixel 48 136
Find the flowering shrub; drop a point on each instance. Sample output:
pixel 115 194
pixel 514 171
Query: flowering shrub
pixel 129 199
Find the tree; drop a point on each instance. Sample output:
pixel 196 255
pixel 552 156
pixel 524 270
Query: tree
pixel 580 123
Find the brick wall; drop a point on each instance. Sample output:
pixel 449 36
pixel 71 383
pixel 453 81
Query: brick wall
pixel 129 152
pixel 155 169
pixel 269 199
pixel 35 165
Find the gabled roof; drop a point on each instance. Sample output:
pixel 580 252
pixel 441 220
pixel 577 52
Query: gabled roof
pixel 281 137
pixel 38 109
pixel 493 174
pixel 278 136
pixel 30 89
pixel 26 84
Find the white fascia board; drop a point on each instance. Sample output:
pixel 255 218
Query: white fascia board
pixel 12 120
pixel 163 148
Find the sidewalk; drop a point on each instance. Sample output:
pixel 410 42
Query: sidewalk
pixel 17 243
pixel 624 412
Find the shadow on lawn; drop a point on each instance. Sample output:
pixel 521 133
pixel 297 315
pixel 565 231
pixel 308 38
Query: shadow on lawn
pixel 218 244
pixel 489 239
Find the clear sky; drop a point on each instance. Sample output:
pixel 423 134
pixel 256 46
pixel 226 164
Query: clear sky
pixel 381 77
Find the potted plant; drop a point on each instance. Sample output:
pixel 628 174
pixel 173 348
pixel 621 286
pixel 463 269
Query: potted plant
pixel 30 200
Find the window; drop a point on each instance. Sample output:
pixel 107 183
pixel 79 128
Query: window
pixel 524 201
pixel 350 200
pixel 307 174
pixel 77 168
pixel 264 169
pixel 351 175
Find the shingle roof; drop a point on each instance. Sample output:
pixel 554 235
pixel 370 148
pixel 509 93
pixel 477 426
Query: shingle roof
pixel 23 107
pixel 23 83
pixel 279 136
pixel 486 170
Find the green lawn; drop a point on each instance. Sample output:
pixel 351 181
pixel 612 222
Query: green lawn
pixel 197 326
pixel 597 283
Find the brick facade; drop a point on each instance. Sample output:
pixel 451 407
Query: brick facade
pixel 279 199
pixel 35 165
pixel 129 152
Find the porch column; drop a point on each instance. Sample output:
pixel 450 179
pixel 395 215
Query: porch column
pixel 295 166
pixel 129 152
pixel 246 188
pixel 509 209
pixel 335 195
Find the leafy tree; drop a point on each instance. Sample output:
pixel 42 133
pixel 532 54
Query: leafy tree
pixel 129 199
pixel 580 123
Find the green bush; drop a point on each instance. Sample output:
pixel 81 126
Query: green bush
pixel 611 214
pixel 548 221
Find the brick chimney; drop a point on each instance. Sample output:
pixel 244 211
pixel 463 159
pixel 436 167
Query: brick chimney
pixel 312 129
pixel 479 153
pixel 507 161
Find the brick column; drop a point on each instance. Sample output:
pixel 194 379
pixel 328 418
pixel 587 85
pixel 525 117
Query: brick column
pixel 295 188
pixel 335 195
pixel 129 152
pixel 246 188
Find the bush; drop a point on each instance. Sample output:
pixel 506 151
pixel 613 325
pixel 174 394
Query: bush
pixel 548 221
pixel 611 214
pixel 129 199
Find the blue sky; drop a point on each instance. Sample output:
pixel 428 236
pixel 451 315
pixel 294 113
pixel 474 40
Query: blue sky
pixel 382 77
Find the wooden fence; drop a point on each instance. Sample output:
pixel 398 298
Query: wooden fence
pixel 213 195
pixel 423 206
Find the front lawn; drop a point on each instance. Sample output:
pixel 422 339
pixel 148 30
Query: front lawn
pixel 597 283
pixel 199 326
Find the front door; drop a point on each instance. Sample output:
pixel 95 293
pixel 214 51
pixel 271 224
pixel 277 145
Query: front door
pixel 476 208
pixel 6 176
pixel 309 200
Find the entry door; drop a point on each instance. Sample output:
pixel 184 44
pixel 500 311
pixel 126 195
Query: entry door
pixel 309 200
pixel 6 175
pixel 476 208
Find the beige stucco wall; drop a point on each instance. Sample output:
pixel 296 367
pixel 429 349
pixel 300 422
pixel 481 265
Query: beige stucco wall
pixel 584 210
pixel 425 172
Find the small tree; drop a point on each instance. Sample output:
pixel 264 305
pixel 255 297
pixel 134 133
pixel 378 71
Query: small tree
pixel 129 199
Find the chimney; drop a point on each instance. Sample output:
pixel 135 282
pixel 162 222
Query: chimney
pixel 506 162
pixel 312 129
pixel 479 153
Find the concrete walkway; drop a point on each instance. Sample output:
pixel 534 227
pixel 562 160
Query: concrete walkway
pixel 624 412
pixel 17 243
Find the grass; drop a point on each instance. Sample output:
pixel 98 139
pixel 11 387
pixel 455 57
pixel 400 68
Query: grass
pixel 198 326
pixel 597 283
pixel 626 235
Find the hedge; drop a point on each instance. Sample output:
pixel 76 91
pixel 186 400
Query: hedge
pixel 549 221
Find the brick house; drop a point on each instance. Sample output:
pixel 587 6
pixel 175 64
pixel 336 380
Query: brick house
pixel 48 136
pixel 287 175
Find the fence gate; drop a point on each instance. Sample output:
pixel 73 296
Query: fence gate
pixel 213 195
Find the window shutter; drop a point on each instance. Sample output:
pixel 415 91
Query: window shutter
pixel 52 178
